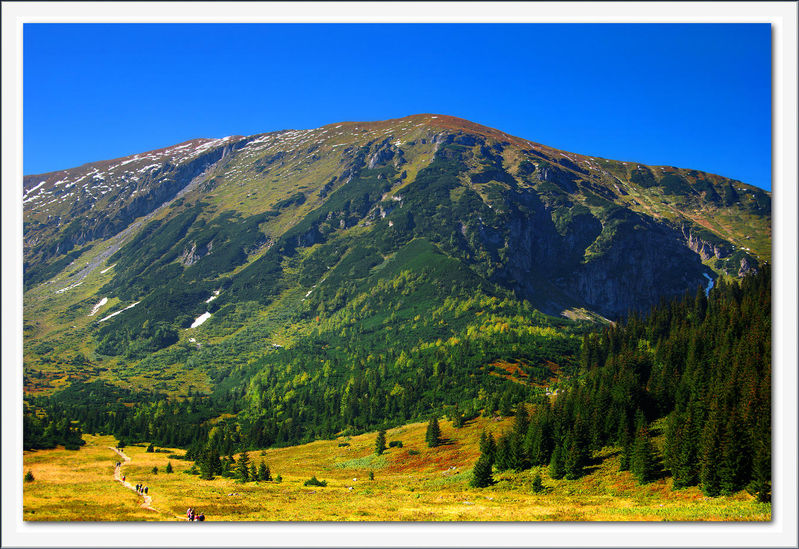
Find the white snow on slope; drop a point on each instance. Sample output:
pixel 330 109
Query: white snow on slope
pixel 107 269
pixel 62 290
pixel 97 307
pixel 210 299
pixel 200 319
pixel 120 311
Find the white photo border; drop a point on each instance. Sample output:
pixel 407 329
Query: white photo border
pixel 781 532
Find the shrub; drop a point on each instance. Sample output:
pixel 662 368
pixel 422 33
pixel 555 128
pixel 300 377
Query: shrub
pixel 151 448
pixel 313 481
pixel 168 467
pixel 413 452
pixel 155 470
pixel 395 444
pixel 29 476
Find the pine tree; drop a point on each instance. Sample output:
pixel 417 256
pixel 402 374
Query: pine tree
pixel 243 467
pixel 380 442
pixel 253 472
pixel 168 467
pixel 29 476
pixel 574 457
pixel 709 459
pixel 433 434
pixel 736 464
pixel 263 472
pixel 537 485
pixel 503 459
pixel 488 446
pixel 556 468
pixel 626 451
pixel 151 448
pixel 643 462
pixel 481 474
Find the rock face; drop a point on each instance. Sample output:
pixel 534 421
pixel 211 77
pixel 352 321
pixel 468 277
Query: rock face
pixel 705 249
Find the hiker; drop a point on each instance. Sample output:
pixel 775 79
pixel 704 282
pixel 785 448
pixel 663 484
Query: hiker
pixel 188 513
pixel 145 490
pixel 123 478
pixel 201 517
pixel 191 515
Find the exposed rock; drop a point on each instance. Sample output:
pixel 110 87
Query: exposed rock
pixel 705 249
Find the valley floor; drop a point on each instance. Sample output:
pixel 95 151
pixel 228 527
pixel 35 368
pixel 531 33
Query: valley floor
pixel 431 485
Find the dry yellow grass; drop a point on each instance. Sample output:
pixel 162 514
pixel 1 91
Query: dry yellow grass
pixel 431 485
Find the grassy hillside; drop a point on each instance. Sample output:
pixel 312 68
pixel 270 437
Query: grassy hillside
pixel 431 485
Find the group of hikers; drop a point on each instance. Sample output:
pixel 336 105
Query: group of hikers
pixel 119 464
pixel 142 489
pixel 192 515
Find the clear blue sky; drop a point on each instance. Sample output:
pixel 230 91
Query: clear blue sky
pixel 694 96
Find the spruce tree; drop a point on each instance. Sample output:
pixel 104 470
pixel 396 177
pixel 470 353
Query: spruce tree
pixel 488 446
pixel 736 463
pixel 243 467
pixel 481 474
pixel 433 434
pixel 253 472
pixel 556 468
pixel 263 472
pixel 168 467
pixel 709 459
pixel 380 442
pixel 537 484
pixel 643 463
pixel 503 459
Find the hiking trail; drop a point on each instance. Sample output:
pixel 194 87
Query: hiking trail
pixel 148 499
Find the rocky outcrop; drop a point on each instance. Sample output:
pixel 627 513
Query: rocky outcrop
pixel 748 266
pixel 192 255
pixel 704 247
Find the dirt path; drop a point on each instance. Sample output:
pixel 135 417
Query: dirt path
pixel 147 499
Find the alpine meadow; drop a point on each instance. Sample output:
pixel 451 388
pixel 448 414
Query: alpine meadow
pixel 416 319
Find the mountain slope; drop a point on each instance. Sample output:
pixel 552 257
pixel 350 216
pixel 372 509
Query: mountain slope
pixel 220 259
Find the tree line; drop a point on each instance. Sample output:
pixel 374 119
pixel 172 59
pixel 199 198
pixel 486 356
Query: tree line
pixel 700 364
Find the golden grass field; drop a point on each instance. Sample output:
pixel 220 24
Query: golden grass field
pixel 430 486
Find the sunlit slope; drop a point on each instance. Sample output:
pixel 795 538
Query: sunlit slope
pixel 214 255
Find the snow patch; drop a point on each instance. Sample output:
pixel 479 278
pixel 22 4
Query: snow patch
pixel 120 311
pixel 98 306
pixel 62 290
pixel 210 299
pixel 200 319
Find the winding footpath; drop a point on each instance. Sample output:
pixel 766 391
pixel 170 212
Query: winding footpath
pixel 148 499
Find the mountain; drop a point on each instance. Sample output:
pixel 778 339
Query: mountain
pixel 409 256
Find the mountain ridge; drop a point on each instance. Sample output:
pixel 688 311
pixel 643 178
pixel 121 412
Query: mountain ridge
pixel 301 225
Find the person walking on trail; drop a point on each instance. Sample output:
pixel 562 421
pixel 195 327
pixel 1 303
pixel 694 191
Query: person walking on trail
pixel 145 490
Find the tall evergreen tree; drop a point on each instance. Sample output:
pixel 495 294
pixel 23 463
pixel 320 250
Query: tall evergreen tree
pixel 644 461
pixel 481 474
pixel 243 467
pixel 556 465
pixel 380 442
pixel 433 434
pixel 488 446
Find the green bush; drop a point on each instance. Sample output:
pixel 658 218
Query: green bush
pixel 313 481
